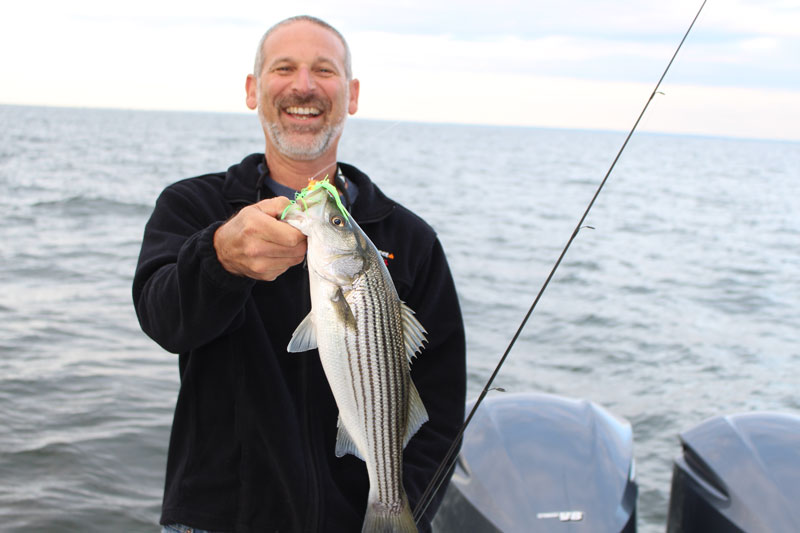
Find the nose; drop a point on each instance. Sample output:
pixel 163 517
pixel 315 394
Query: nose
pixel 303 81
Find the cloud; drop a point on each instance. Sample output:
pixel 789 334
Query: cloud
pixel 477 19
pixel 755 17
pixel 503 62
pixel 509 99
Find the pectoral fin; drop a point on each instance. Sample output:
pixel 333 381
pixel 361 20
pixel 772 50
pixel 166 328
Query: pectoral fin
pixel 343 310
pixel 304 337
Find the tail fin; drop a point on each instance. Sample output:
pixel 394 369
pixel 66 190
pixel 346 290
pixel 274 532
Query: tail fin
pixel 381 519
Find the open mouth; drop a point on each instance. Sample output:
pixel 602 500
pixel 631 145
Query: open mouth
pixel 303 113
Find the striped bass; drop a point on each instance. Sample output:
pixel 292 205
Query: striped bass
pixel 366 338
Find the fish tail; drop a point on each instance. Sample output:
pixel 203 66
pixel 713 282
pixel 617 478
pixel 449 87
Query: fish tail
pixel 381 519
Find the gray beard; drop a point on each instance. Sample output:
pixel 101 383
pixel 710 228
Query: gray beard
pixel 302 150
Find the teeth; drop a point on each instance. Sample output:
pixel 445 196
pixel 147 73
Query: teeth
pixel 303 111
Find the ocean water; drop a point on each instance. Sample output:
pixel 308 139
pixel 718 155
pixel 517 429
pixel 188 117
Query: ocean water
pixel 681 302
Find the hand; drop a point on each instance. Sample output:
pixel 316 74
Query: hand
pixel 256 244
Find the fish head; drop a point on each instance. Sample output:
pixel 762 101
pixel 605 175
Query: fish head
pixel 337 247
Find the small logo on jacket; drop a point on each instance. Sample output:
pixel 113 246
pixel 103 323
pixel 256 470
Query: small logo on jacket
pixel 386 256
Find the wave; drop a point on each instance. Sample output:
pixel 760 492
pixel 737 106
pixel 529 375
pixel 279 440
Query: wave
pixel 80 205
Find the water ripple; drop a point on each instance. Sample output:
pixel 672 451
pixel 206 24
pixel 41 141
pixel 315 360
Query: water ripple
pixel 682 303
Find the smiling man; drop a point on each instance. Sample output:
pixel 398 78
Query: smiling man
pixel 220 282
pixel 303 89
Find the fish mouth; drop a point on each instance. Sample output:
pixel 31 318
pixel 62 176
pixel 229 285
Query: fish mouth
pixel 297 212
pixel 294 216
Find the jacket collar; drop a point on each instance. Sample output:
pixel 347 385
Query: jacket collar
pixel 241 180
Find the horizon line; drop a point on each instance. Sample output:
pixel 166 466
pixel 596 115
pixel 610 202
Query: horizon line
pixel 411 121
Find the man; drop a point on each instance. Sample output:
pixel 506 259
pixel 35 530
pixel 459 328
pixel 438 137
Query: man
pixel 219 281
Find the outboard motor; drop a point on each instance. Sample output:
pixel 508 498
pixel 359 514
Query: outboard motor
pixel 541 463
pixel 738 473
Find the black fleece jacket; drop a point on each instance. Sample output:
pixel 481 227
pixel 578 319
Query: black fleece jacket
pixel 254 432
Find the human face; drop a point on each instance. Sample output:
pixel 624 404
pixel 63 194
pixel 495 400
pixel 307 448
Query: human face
pixel 302 93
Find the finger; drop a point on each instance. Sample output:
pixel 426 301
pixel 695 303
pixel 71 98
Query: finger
pixel 275 231
pixel 273 206
pixel 273 249
pixel 280 234
pixel 269 270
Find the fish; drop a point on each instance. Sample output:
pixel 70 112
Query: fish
pixel 366 338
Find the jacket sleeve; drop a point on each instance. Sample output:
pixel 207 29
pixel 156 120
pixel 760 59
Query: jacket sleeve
pixel 183 296
pixel 439 373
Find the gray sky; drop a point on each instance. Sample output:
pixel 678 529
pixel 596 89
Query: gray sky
pixel 569 63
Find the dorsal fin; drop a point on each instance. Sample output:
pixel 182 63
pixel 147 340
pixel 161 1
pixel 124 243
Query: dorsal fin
pixel 413 332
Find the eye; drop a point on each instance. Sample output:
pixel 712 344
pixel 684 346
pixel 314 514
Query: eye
pixel 325 70
pixel 282 69
pixel 337 220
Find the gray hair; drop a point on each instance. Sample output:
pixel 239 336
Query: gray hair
pixel 259 64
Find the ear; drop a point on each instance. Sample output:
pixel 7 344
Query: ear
pixel 352 106
pixel 252 94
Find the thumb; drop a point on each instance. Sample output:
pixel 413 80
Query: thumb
pixel 273 206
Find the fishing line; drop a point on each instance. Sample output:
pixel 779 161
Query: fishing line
pixel 263 170
pixel 449 459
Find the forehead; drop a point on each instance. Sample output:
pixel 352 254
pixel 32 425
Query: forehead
pixel 303 41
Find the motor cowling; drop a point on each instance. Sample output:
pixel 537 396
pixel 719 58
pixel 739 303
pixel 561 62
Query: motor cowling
pixel 542 463
pixel 738 473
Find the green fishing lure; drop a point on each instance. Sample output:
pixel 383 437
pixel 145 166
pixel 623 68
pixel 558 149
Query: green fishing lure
pixel 315 186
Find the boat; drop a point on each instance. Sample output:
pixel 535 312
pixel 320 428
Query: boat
pixel 541 463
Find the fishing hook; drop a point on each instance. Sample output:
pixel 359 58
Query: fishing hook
pixel 447 463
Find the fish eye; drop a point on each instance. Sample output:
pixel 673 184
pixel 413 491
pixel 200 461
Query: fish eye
pixel 336 220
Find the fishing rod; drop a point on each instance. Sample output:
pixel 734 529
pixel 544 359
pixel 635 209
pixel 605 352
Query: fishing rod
pixel 447 463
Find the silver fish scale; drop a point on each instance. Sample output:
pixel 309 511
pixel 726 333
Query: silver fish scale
pixel 380 378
